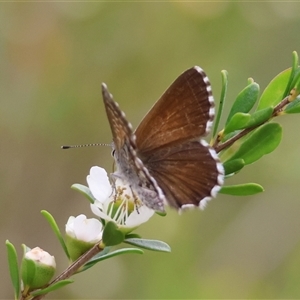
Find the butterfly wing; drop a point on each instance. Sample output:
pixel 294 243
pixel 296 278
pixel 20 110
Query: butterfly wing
pixel 129 167
pixel 184 112
pixel 121 129
pixel 189 174
pixel 168 141
pixel 164 158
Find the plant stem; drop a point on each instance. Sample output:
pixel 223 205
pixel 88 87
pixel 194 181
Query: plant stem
pixel 75 266
pixel 277 109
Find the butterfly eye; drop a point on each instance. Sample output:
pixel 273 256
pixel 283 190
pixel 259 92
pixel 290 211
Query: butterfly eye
pixel 113 152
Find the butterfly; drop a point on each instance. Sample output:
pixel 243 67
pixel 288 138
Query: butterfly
pixel 165 160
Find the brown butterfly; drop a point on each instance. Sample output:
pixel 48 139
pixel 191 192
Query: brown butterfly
pixel 164 160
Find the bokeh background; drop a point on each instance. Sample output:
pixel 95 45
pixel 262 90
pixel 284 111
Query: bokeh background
pixel 53 58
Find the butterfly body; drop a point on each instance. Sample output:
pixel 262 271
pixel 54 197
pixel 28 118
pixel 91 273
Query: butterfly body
pixel 165 160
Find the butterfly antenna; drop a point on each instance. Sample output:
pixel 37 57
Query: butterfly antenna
pixel 84 145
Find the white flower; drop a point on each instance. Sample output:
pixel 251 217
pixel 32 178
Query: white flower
pixel 116 204
pixel 83 229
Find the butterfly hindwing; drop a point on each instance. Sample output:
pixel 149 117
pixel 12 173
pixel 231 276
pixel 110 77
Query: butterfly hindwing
pixel 189 174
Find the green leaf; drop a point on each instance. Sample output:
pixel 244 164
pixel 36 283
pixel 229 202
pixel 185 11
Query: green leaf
pixel 224 75
pixel 84 190
pixel 112 235
pixel 262 141
pixel 242 120
pixel 52 287
pixel 238 121
pixel 102 253
pixel 259 117
pixel 56 230
pixel 296 82
pixel 294 72
pixel 293 107
pixel 13 267
pixel 132 235
pixel 233 166
pixel 154 245
pixel 161 213
pixel 275 91
pixel 97 259
pixel 245 100
pixel 242 189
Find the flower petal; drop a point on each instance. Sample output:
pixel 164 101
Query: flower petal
pixel 99 213
pixel 139 216
pixel 70 226
pixel 99 183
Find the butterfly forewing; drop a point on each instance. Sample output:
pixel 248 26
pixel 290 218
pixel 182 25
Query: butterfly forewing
pixel 121 129
pixel 184 112
pixel 129 167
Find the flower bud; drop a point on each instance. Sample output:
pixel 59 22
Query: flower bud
pixel 82 234
pixel 37 268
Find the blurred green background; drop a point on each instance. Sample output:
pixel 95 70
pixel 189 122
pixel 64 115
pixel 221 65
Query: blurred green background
pixel 53 58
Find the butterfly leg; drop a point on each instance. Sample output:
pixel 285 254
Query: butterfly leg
pixel 137 202
pixel 150 198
